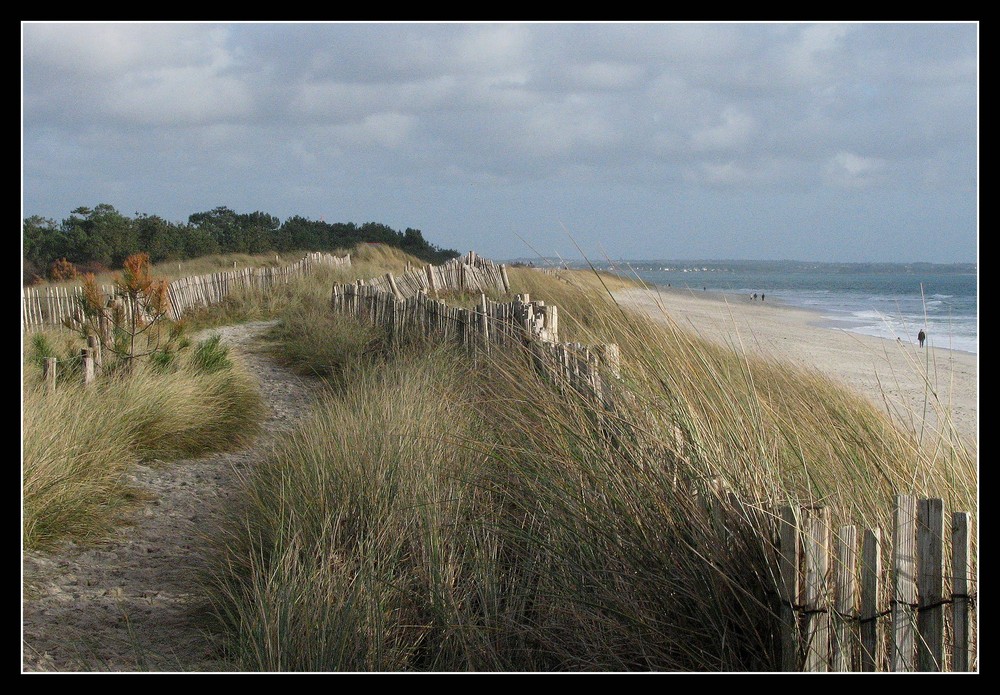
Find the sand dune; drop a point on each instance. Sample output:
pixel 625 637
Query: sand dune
pixel 929 386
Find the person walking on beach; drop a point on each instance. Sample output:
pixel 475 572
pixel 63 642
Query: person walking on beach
pixel 921 337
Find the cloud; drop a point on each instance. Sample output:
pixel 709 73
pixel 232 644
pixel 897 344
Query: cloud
pixel 721 174
pixel 136 75
pixel 492 49
pixel 605 76
pixel 180 97
pixel 815 52
pixel 849 170
pixel 95 50
pixel 733 133
pixel 786 109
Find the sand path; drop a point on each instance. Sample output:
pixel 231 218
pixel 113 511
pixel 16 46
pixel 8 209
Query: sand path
pixel 132 603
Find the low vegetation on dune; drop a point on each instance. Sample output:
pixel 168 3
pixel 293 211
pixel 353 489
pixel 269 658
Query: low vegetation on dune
pixel 155 395
pixel 80 441
pixel 161 398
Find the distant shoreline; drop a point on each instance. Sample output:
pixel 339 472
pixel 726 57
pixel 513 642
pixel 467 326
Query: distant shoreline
pixel 893 374
pixel 818 320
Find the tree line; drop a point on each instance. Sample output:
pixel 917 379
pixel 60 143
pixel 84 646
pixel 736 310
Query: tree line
pixel 101 238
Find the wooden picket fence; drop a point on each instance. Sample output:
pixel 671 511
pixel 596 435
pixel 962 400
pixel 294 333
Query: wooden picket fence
pixel 840 613
pixel 470 273
pixel 533 324
pixel 52 306
pixel 58 305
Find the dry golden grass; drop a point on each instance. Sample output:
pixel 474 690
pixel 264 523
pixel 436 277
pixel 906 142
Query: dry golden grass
pixel 79 442
pixel 442 513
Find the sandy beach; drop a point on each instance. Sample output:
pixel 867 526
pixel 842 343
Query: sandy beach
pixel 899 372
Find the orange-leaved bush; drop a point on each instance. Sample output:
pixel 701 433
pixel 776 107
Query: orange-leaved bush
pixel 134 321
pixel 62 269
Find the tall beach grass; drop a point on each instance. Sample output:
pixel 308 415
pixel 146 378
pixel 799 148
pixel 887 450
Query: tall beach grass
pixel 445 513
pixel 79 442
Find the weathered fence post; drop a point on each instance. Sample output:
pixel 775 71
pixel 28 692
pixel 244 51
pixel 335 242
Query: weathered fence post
pixel 846 589
pixel 611 356
pixel 95 348
pixel 904 600
pixel 788 568
pixel 962 653
pixel 484 321
pixel 816 549
pixel 393 287
pixel 49 371
pixel 104 328
pixel 871 604
pixel 930 578
pixel 88 365
pixel 552 321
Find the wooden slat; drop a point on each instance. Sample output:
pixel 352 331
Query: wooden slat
pixel 816 549
pixel 88 366
pixel 845 588
pixel 960 591
pixel 930 584
pixel 904 600
pixel 871 600
pixel 788 565
pixel 49 372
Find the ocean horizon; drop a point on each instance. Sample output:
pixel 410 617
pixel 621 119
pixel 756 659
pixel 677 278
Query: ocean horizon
pixel 885 300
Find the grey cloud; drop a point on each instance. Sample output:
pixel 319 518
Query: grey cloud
pixel 674 108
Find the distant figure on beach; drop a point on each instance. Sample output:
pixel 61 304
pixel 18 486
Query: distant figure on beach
pixel 762 296
pixel 755 296
pixel 921 337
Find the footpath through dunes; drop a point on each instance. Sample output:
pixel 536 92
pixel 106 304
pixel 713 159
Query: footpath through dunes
pixel 132 603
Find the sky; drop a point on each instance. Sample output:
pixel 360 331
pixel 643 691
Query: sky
pixel 801 141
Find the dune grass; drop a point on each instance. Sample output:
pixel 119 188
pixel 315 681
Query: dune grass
pixel 448 514
pixel 439 512
pixel 78 442
pixel 251 304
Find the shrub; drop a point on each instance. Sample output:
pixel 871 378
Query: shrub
pixel 41 349
pixel 134 323
pixel 61 270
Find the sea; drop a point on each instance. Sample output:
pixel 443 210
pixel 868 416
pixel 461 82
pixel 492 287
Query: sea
pixel 886 300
